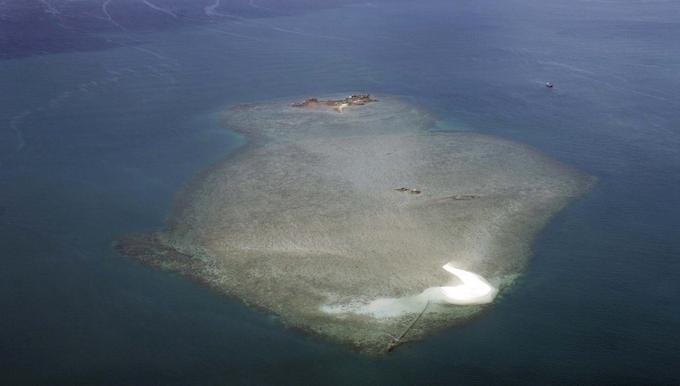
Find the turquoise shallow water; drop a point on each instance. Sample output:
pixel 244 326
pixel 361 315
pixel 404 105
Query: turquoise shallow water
pixel 97 143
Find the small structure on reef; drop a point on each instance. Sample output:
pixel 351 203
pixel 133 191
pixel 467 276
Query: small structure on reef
pixel 337 104
pixel 410 190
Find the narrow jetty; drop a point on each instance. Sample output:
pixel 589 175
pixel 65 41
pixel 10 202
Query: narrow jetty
pixel 396 341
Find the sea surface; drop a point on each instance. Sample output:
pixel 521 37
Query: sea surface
pixel 97 138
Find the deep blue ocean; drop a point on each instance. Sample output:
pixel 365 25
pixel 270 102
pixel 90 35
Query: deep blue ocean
pixel 97 140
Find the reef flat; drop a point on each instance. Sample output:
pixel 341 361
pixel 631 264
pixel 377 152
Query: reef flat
pixel 340 224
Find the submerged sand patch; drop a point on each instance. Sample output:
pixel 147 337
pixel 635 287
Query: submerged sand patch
pixel 309 221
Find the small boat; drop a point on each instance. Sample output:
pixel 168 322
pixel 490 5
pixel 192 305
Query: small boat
pixel 548 85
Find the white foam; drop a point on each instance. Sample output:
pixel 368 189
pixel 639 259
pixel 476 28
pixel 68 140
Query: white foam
pixel 49 8
pixel 253 5
pixel 211 10
pixel 15 124
pixel 159 9
pixel 105 11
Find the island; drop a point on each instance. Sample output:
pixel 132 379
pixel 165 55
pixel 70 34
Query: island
pixel 336 104
pixel 369 228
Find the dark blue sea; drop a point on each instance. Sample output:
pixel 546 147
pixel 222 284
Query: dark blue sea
pixel 107 108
